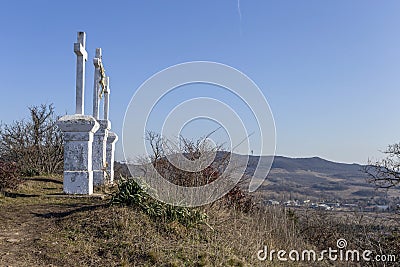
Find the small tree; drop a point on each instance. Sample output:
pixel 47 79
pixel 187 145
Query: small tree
pixel 386 172
pixel 36 145
pixel 162 150
pixel 192 150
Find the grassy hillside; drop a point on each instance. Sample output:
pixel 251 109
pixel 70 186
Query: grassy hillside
pixel 39 226
pixel 42 227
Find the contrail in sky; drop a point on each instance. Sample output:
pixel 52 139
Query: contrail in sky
pixel 240 17
pixel 240 12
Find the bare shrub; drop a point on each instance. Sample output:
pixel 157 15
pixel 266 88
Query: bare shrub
pixel 386 172
pixel 36 145
pixel 9 177
pixel 363 231
pixel 208 170
pixel 191 150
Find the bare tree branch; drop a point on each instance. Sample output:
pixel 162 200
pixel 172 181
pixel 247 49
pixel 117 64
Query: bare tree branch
pixel 386 172
pixel 36 145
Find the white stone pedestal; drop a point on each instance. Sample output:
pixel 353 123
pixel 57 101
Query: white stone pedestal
pixel 78 133
pixel 99 153
pixel 111 140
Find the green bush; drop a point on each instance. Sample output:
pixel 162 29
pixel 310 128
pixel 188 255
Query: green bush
pixel 130 193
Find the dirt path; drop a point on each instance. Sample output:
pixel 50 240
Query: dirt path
pixel 24 218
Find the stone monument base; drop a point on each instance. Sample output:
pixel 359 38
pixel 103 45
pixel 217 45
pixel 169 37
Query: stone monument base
pixel 78 182
pixel 78 138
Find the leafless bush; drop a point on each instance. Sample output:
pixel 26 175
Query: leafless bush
pixel 362 231
pixel 386 172
pixel 36 145
pixel 9 177
pixel 208 170
pixel 163 150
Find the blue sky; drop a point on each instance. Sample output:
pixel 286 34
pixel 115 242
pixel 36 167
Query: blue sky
pixel 330 70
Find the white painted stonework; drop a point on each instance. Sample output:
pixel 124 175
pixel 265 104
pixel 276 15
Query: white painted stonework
pixel 78 137
pixel 96 86
pixel 81 58
pixel 111 140
pixel 88 143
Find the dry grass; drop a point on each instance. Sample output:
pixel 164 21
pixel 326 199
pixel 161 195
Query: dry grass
pixel 123 236
pixel 33 190
pixel 62 231
pixel 59 231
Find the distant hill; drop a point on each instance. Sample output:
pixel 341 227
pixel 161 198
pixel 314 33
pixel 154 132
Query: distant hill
pixel 317 179
pixel 311 178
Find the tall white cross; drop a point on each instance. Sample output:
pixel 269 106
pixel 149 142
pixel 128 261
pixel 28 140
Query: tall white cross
pixel 106 98
pixel 96 88
pixel 81 55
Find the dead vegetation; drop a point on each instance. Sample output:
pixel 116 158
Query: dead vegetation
pixel 35 144
pixel 40 229
pixel 64 231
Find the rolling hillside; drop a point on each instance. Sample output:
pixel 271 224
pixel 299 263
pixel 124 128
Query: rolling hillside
pixel 317 179
pixel 313 178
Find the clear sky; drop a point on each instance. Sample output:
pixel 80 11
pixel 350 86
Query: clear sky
pixel 330 70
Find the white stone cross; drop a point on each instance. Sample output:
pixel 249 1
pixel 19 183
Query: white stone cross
pixel 81 54
pixel 96 88
pixel 106 98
